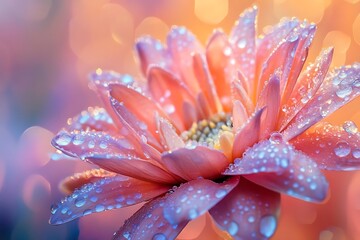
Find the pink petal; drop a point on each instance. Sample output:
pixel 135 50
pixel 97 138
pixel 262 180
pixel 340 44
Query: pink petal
pixel 249 211
pixel 170 138
pixel 151 51
pixel 182 45
pixel 132 166
pixel 149 223
pixel 248 135
pixel 238 93
pixel 106 194
pixel 279 60
pixel 242 38
pixel 82 144
pixel 306 86
pixel 274 164
pixel 239 115
pixel 70 184
pixel 305 34
pixel 170 93
pixel 206 83
pixel 195 198
pixel 218 54
pixel 197 162
pixel 142 109
pixel 340 87
pixel 96 119
pixel 269 98
pixel 332 147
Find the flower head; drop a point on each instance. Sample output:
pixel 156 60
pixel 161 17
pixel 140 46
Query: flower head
pixel 222 129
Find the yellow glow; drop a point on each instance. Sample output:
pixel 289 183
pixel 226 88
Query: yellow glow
pixel 356 29
pixel 152 26
pixel 341 43
pixel 211 11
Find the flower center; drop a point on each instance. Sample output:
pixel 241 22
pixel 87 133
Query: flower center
pixel 215 132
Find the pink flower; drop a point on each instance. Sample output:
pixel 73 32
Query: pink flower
pixel 219 129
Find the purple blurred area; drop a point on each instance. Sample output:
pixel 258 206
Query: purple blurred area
pixel 47 50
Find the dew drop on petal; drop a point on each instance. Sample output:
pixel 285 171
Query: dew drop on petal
pixel 220 193
pixel 63 140
pixel 87 212
pixel 80 202
pixel 227 51
pixel 344 92
pixel 159 236
pixel 251 219
pixel 193 213
pixel 350 127
pixel 241 43
pixel 233 228
pixel 356 153
pixel 268 226
pixel 276 138
pixel 99 208
pixel 342 149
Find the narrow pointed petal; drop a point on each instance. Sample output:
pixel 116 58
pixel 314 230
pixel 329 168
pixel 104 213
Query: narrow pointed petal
pixel 332 147
pixel 143 108
pixel 238 93
pixel 70 184
pixel 83 144
pixel 306 87
pixel 206 83
pixel 305 35
pixel 182 44
pixel 94 119
pixel 132 166
pixel 292 173
pixel 218 57
pixel 269 98
pixel 239 115
pixel 194 198
pixel 151 51
pixel 248 135
pixel 170 138
pixel 340 87
pixel 105 194
pixel 149 223
pixel 170 93
pixel 100 79
pixel 249 211
pixel 194 163
pixel 242 37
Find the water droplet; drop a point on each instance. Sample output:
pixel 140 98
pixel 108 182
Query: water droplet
pixel 350 127
pixel 268 226
pixel 251 219
pixel 313 186
pixel 356 153
pixel 241 43
pixel 233 228
pixel 99 208
pixel 276 138
pixel 227 51
pixel 80 202
pixel 159 236
pixel 93 198
pixel 169 108
pixel 344 92
pixel 193 213
pixel 220 193
pixel 91 144
pixel 103 145
pixel 78 140
pixel 342 149
pixel 63 140
pixel 87 212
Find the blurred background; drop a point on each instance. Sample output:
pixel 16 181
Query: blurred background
pixel 47 50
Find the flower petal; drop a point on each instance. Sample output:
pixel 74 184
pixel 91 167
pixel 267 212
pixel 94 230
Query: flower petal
pixel 105 194
pixel 182 44
pixel 306 87
pixel 242 38
pixel 340 87
pixel 218 55
pixel 170 93
pixel 170 138
pixel 239 115
pixel 248 135
pixel 197 162
pixel 149 223
pixel 332 147
pixel 290 172
pixel 195 198
pixel 95 118
pixel 151 51
pixel 269 98
pixel 249 211
pixel 69 184
pixel 238 93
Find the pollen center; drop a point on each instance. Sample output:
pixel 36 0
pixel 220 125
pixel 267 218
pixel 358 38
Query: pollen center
pixel 215 132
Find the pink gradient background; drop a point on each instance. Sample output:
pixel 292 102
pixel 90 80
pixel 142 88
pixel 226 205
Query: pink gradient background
pixel 48 48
